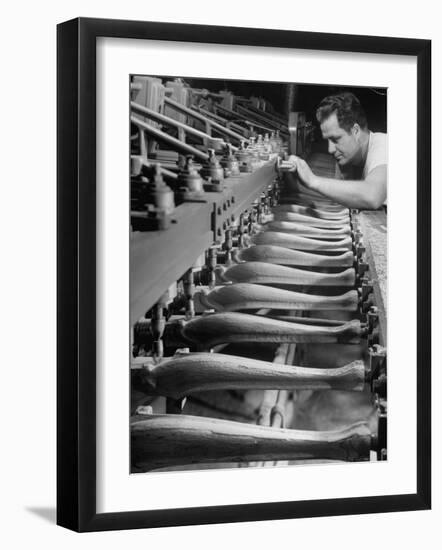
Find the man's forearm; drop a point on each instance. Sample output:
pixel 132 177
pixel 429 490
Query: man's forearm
pixel 350 193
pixel 366 194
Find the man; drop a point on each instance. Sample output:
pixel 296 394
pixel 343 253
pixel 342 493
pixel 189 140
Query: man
pixel 361 155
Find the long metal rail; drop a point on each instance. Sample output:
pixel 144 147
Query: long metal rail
pixel 170 140
pixel 198 116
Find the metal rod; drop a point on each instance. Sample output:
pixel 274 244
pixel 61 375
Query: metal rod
pixel 165 171
pixel 243 118
pixel 271 116
pixel 168 120
pixel 221 120
pixel 277 125
pixel 198 116
pixel 176 143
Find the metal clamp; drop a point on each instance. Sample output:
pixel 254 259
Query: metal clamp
pixel 361 268
pixel 359 249
pixel 373 325
pixel 379 440
pixel 378 370
pixel 366 288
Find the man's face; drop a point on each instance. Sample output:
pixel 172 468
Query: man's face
pixel 343 145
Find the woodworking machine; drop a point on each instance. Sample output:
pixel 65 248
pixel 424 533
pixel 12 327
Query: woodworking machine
pixel 257 318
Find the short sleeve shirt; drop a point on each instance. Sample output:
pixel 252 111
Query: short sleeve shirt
pixel 377 152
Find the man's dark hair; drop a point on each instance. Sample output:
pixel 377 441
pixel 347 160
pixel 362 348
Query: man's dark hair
pixel 347 108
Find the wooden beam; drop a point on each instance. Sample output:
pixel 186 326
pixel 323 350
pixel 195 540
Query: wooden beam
pixel 160 441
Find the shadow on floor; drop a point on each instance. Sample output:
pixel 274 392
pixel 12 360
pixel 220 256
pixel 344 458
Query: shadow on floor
pixel 48 514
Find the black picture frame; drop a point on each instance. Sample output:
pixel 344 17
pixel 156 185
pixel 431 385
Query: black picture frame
pixel 76 273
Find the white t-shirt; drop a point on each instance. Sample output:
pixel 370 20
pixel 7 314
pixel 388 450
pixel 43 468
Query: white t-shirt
pixel 377 153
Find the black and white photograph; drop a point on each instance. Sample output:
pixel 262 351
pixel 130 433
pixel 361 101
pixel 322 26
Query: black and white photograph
pixel 243 237
pixel 258 273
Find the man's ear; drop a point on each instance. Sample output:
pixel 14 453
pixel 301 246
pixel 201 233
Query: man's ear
pixel 356 130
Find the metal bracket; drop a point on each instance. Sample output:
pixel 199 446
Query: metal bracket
pixel 366 288
pixel 378 370
pixel 361 268
pixel 152 219
pixel 379 441
pixel 222 217
pixel 359 249
pixel 373 326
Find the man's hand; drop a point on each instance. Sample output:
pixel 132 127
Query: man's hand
pixel 302 168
